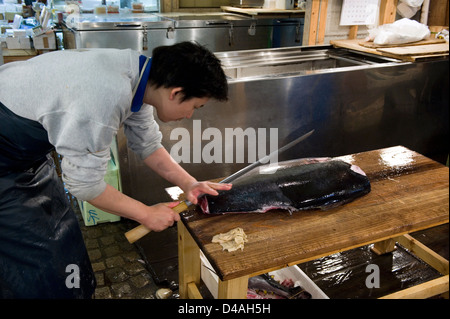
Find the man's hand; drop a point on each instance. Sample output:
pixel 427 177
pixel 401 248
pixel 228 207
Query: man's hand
pixel 160 216
pixel 195 189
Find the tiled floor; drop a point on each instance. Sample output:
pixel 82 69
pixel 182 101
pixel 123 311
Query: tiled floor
pixel 119 268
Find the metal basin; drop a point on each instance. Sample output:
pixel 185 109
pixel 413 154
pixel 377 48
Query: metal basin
pixel 257 64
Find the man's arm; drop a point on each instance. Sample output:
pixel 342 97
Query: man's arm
pixel 157 217
pixel 164 165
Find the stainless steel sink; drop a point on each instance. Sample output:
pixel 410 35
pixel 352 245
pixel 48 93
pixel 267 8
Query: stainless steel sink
pixel 280 62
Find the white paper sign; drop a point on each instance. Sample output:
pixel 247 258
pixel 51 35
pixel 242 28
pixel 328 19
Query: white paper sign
pixel 359 12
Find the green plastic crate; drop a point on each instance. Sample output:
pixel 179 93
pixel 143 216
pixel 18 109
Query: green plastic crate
pixel 92 215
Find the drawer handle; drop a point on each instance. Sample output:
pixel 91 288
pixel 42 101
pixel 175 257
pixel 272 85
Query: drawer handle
pixel 216 23
pixel 128 25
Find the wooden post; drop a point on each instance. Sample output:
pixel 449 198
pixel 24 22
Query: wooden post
pixel 318 19
pixel 188 263
pixel 425 11
pixel 426 290
pixel 322 22
pixel 314 19
pixel 384 246
pixel 353 32
pixel 169 5
pixel 388 9
pixel 233 288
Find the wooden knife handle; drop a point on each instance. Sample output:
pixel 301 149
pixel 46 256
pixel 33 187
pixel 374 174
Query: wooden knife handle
pixel 140 231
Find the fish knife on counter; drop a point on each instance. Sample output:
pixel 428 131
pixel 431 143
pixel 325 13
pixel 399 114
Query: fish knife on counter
pixel 140 231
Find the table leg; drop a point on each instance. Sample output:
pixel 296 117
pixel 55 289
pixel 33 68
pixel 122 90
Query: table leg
pixel 384 246
pixel 188 261
pixel 233 288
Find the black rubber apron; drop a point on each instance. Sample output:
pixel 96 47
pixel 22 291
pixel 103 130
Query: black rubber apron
pixel 42 252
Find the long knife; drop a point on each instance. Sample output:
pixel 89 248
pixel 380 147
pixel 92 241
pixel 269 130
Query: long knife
pixel 140 231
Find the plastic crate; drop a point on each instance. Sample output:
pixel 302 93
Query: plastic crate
pixel 92 215
pixel 211 280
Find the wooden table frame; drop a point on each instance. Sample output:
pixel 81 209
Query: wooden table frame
pixel 189 270
pixel 235 286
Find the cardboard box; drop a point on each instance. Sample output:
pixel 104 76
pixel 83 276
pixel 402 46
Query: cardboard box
pixel 211 280
pixel 12 43
pixel 45 42
pixel 25 43
pixel 16 43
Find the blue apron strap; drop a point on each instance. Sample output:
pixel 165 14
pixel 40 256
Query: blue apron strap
pixel 145 64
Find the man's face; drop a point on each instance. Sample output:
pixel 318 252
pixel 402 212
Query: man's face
pixel 175 110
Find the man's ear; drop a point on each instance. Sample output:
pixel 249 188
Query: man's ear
pixel 174 92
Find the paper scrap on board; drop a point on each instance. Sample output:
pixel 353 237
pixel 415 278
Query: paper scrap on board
pixel 232 240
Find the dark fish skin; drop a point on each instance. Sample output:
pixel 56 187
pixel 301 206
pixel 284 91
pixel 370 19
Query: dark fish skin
pixel 296 185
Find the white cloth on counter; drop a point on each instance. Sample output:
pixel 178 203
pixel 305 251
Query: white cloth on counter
pixel 398 32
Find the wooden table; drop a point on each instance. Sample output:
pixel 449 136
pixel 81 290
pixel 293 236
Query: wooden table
pixel 409 193
pixel 17 55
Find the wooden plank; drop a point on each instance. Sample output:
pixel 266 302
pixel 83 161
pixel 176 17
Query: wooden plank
pixel 370 44
pixel 188 261
pixel 322 22
pixel 423 252
pixel 13 55
pixel 264 12
pixel 353 32
pixel 314 19
pixel 193 292
pixel 420 50
pixel 233 289
pixel 438 13
pixel 426 290
pixel 425 12
pixel 354 44
pixel 388 10
pixel 409 193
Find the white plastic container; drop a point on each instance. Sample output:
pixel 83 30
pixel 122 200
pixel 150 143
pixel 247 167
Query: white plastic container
pixel 15 43
pixel 45 42
pixel 285 4
pixel 211 280
pixel 270 4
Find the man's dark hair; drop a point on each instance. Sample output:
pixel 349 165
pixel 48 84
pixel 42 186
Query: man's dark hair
pixel 191 66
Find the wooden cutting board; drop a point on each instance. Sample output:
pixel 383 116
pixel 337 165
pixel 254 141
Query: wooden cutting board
pixel 409 192
pixel 410 53
pixel 420 50
pixel 265 13
pixel 370 44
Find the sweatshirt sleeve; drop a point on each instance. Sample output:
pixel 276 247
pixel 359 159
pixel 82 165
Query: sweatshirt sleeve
pixel 85 147
pixel 142 132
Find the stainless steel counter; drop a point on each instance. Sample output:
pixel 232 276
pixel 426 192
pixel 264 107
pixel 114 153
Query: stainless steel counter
pixel 143 32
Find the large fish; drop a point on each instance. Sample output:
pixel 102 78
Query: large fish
pixel 318 183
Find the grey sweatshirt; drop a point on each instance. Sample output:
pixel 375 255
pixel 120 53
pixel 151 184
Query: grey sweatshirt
pixel 82 97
